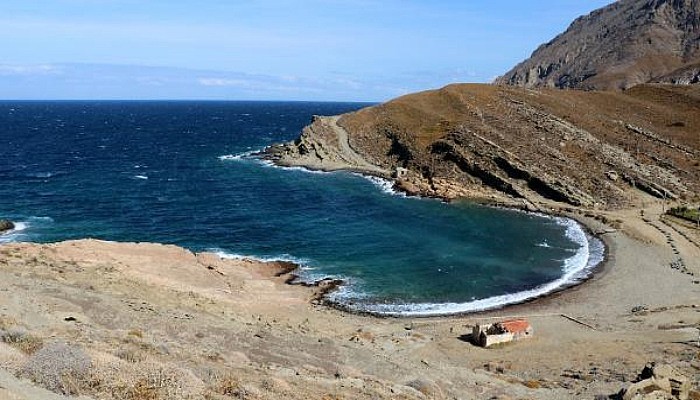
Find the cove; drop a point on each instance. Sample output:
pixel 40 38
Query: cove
pixel 178 173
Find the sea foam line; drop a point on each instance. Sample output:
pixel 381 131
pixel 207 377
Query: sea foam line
pixel 575 269
pixel 302 263
pixel 13 234
pixel 305 272
pixel 238 156
pixel 251 156
pixel 385 185
pixel 19 231
pixel 269 163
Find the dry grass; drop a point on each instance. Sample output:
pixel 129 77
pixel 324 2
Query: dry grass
pixel 228 385
pixel 426 387
pixel 18 337
pixel 21 339
pixel 527 125
pixel 68 369
pixel 61 368
pixel 146 380
pixel 136 333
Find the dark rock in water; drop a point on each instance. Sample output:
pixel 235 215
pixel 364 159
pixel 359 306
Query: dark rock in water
pixel 6 225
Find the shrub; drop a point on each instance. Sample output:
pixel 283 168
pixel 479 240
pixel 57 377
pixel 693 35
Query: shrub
pixel 146 381
pixel 130 354
pixel 684 212
pixel 60 368
pixel 229 386
pixel 19 338
pixel 143 390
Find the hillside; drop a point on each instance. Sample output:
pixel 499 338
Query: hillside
pixel 128 321
pixel 510 144
pixel 626 43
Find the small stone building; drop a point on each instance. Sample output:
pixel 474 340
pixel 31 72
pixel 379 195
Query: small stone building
pixel 501 332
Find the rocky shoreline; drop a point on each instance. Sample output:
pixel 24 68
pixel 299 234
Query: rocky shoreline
pixel 522 148
pixel 6 226
pixel 150 307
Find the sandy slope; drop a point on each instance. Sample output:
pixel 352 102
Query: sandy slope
pixel 213 324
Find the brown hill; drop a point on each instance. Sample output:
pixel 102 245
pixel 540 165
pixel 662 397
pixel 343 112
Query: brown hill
pixel 590 149
pixel 626 43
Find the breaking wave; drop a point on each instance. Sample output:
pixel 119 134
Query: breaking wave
pixel 238 156
pixel 385 185
pixel 574 270
pixel 22 229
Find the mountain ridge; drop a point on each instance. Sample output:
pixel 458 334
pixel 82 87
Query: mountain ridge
pixel 524 141
pixel 616 47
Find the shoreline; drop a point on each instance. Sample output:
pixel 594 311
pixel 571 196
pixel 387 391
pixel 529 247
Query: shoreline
pixel 324 287
pixel 269 156
pixel 124 298
pixel 591 273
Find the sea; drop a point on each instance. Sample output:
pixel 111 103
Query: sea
pixel 185 173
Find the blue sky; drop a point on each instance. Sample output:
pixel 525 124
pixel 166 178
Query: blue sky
pixel 347 50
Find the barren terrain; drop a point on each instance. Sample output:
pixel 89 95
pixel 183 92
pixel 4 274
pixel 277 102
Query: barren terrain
pixel 522 147
pixel 150 321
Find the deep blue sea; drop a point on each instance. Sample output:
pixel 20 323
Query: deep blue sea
pixel 178 172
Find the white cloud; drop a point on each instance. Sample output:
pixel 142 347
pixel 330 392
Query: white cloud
pixel 225 82
pixel 40 69
pixel 114 81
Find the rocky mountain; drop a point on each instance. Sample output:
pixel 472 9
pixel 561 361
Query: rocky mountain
pixel 626 43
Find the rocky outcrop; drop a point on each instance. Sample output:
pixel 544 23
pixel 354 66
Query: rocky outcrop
pixel 686 75
pixel 659 382
pixel 6 225
pixel 624 44
pixel 517 146
pixel 323 145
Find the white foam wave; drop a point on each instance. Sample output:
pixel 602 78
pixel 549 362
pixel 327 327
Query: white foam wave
pixel 143 177
pixel 299 169
pixel 19 227
pixel 302 263
pixel 45 175
pixel 42 219
pixel 17 233
pixel 238 156
pixel 385 185
pixel 305 272
pixel 574 270
pixel 271 164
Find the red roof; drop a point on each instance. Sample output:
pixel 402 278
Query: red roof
pixel 515 325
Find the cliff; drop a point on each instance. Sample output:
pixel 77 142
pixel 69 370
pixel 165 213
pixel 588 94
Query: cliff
pixel 626 43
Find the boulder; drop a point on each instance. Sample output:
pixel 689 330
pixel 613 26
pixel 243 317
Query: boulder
pixel 6 225
pixel 658 382
pixel 648 389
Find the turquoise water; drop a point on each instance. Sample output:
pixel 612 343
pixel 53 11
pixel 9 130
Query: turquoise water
pixel 178 172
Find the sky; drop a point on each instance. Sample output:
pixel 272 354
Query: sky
pixel 315 50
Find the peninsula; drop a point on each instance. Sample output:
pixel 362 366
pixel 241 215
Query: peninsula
pixel 602 124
